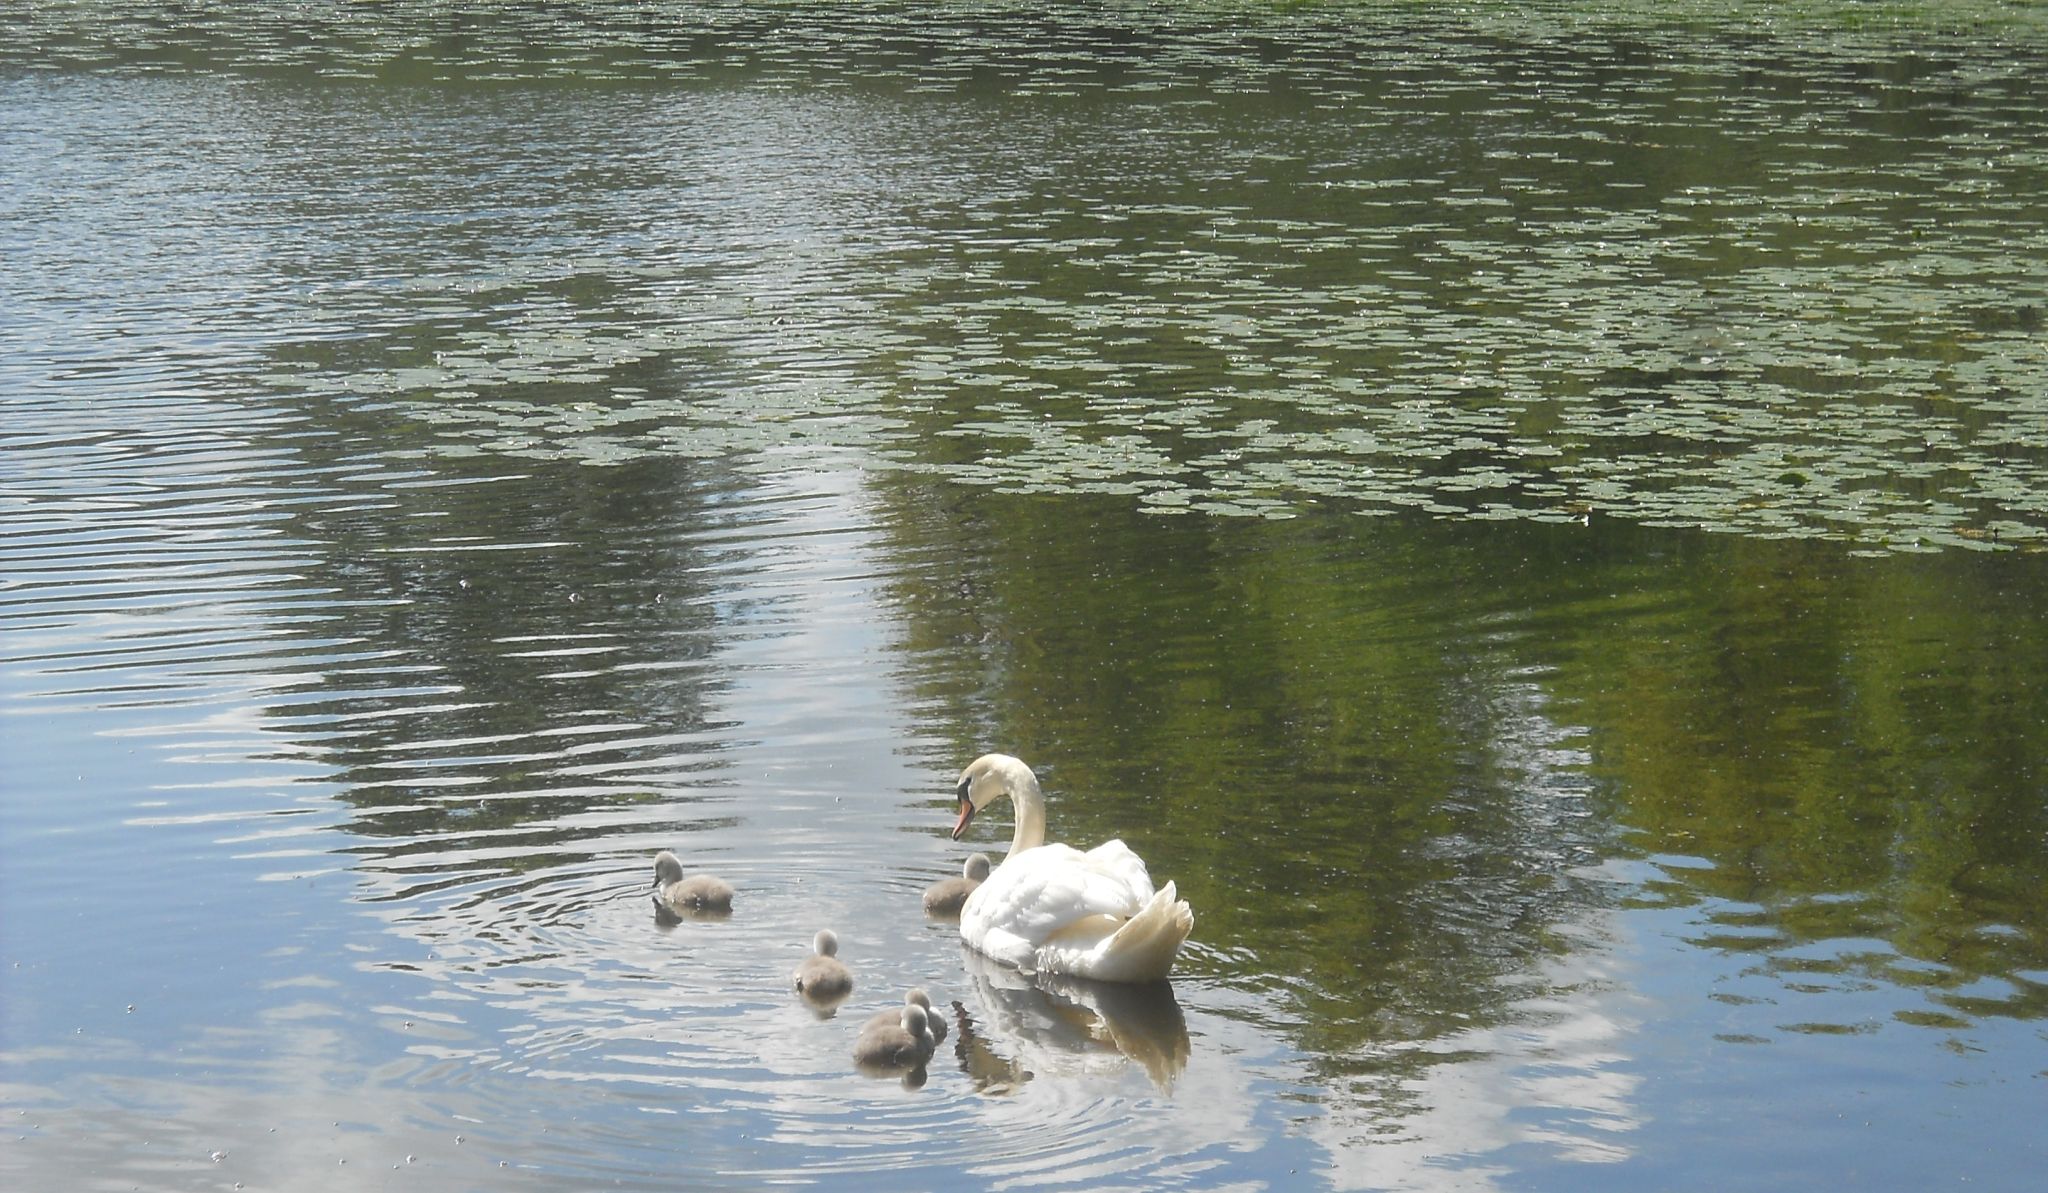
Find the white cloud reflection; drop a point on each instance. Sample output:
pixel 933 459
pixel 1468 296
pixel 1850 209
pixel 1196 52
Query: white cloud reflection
pixel 1557 1076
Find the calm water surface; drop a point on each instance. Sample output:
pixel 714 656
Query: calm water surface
pixel 1531 519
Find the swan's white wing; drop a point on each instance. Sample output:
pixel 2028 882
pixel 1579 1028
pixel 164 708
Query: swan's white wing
pixel 1041 894
pixel 1124 871
pixel 1055 884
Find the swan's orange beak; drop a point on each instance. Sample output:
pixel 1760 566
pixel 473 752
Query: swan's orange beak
pixel 966 814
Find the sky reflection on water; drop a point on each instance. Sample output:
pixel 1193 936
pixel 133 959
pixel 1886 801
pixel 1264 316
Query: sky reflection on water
pixel 456 914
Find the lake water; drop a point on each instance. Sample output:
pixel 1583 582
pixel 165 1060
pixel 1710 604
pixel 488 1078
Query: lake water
pixel 1532 517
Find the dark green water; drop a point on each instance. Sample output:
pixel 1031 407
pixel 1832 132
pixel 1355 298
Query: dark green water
pixel 1531 517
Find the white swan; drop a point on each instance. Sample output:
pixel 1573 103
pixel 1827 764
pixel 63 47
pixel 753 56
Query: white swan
pixel 1054 909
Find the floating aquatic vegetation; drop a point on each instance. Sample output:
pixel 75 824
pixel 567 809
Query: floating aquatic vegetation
pixel 1745 268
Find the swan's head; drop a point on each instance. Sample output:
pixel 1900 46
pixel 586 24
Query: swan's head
pixel 987 779
pixel 667 868
pixel 825 943
pixel 916 997
pixel 976 868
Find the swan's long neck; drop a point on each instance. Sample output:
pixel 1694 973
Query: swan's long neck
pixel 1030 804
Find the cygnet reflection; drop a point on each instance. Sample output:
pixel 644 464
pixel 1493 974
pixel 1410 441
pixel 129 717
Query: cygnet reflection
pixel 1015 1027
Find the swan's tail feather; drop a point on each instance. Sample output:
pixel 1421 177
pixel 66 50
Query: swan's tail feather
pixel 1143 949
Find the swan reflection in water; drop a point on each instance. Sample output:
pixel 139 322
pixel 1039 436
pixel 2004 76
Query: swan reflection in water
pixel 1016 1026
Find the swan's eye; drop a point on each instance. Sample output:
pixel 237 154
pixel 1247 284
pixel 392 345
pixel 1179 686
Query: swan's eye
pixel 961 790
